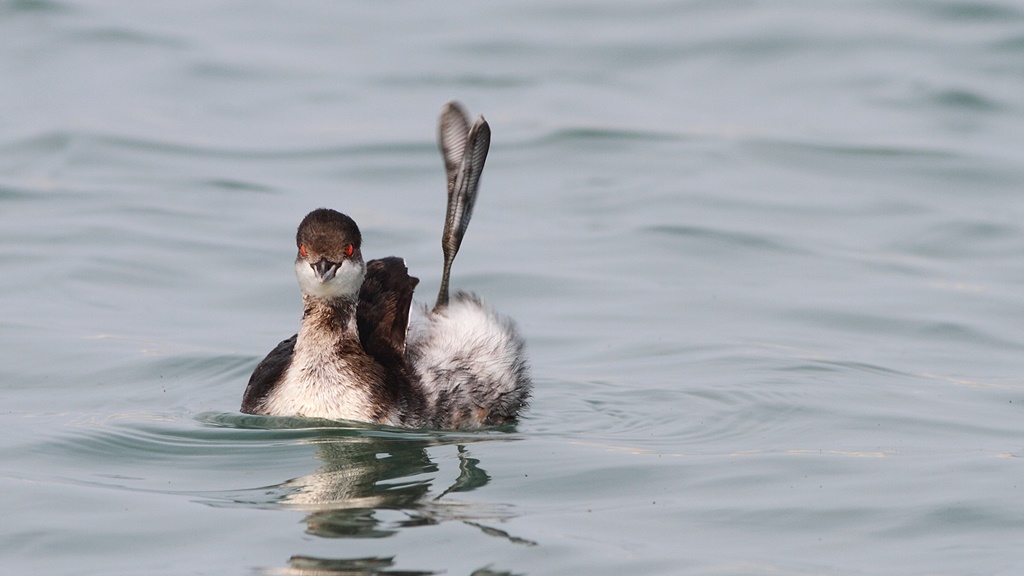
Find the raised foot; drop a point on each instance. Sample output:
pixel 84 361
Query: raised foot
pixel 464 149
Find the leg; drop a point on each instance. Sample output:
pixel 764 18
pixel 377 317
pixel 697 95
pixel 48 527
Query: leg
pixel 464 151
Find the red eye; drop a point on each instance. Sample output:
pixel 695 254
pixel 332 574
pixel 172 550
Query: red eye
pixel 349 250
pixel 302 250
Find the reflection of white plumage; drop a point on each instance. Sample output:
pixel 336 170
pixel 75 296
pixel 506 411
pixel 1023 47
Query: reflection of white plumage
pixel 357 356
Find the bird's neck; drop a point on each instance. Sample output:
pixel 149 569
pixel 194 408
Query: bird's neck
pixel 329 318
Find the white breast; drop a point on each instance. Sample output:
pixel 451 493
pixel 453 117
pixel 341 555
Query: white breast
pixel 320 387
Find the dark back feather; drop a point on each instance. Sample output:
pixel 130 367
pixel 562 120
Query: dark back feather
pixel 267 374
pixel 383 311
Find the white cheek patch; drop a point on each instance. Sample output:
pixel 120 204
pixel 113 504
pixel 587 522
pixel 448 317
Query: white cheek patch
pixel 345 283
pixel 349 278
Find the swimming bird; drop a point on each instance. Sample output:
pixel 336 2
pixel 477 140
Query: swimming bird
pixel 365 352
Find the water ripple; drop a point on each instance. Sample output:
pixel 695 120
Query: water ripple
pixel 741 240
pixel 16 7
pixel 59 141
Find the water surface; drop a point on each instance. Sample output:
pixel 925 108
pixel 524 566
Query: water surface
pixel 766 256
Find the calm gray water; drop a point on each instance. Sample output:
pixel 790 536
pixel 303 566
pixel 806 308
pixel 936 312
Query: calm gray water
pixel 768 258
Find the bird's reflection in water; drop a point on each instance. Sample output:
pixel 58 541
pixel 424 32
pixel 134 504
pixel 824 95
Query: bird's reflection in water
pixel 371 566
pixel 365 480
pixel 372 486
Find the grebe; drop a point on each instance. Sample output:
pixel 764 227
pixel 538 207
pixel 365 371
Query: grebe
pixel 364 352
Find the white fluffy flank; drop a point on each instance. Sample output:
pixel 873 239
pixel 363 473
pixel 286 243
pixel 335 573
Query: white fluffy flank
pixel 470 363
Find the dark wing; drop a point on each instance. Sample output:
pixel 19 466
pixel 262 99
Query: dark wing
pixel 266 375
pixel 383 311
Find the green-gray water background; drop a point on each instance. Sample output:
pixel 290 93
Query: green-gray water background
pixel 768 258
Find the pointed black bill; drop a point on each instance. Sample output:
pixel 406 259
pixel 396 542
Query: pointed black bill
pixel 324 269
